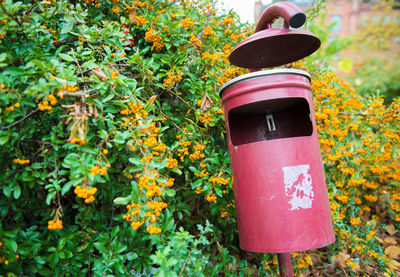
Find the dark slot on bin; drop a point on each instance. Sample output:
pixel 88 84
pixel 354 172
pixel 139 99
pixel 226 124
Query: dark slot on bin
pixel 271 119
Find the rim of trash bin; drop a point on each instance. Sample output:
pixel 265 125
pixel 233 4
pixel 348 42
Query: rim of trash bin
pixel 262 73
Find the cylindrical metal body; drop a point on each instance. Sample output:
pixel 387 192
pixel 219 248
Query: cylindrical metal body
pixel 280 192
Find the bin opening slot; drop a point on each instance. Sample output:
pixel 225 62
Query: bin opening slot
pixel 269 120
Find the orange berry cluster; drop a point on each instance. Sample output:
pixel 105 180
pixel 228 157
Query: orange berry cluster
pixel 224 213
pixel 211 198
pixel 203 173
pixel 199 190
pixel 55 224
pixel 159 149
pixel 184 151
pixel 197 155
pixel 133 211
pixel 219 180
pixel 136 224
pixel 45 106
pixel 146 159
pixel 148 182
pixel 151 141
pixel 136 109
pixel 114 74
pixel 187 22
pixel 154 38
pixel 157 207
pixel 153 230
pixel 208 32
pixel 52 99
pixel 140 20
pixel 169 184
pixel 213 57
pixel 47 3
pixel 90 2
pixel 66 88
pixel 85 193
pixel 11 108
pixel 77 141
pixel 95 170
pixel 205 118
pixel 19 161
pixel 48 30
pixel 194 41
pixel 227 21
pixel 140 4
pixel 171 79
pixel 171 163
pixel 115 9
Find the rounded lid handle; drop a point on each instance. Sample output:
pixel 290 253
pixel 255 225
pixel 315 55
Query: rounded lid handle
pixel 291 14
pixel 269 47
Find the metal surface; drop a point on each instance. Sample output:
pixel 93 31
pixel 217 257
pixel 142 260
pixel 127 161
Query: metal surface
pixel 270 47
pixel 274 47
pixel 292 15
pixel 282 204
pixel 263 73
pixel 279 184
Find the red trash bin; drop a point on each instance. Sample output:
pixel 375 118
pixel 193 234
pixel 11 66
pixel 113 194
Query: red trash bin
pixel 280 192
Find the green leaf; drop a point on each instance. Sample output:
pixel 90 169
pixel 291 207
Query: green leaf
pixel 131 256
pixel 67 27
pixel 193 169
pixel 53 260
pixel 61 243
pixel 177 171
pixel 170 192
pixel 17 191
pixel 66 188
pixel 159 165
pixel 108 98
pixel 3 140
pixel 45 271
pixel 122 200
pixel 66 57
pixel 115 231
pixel 101 247
pixel 39 260
pixel 3 56
pixel 218 191
pixel 36 166
pixel 6 191
pixel 136 161
pixel 50 197
pixel 68 254
pixel 120 249
pixel 11 244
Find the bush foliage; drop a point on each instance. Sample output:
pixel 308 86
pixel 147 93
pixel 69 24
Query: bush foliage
pixel 114 159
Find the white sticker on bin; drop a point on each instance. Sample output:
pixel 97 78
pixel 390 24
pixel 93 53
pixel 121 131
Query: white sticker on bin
pixel 298 186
